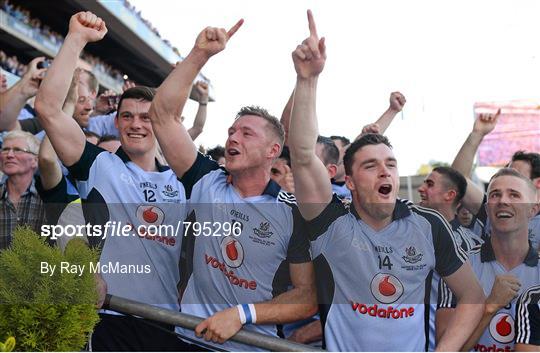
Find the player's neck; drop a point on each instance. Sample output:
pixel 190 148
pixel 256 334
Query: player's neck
pixel 146 161
pixel 250 182
pixel 510 249
pixel 376 223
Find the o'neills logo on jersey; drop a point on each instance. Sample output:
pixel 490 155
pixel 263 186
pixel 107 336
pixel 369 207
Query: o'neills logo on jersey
pixel 382 313
pixel 386 288
pixel 150 215
pixel 232 252
pixel 501 328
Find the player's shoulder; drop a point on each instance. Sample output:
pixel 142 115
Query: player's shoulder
pixel 432 216
pixel 530 295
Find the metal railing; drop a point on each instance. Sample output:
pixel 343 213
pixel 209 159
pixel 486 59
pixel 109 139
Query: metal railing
pixel 170 317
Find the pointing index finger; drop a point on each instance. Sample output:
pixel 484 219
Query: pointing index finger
pixel 235 28
pixel 311 23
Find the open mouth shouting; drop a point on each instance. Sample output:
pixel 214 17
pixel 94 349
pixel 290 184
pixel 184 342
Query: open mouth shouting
pixel 384 190
pixel 232 152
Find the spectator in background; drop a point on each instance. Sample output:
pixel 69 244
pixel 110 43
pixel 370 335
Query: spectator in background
pixel 104 124
pixel 338 182
pixel 464 217
pixel 15 98
pixel 19 201
pixel 87 91
pixel 218 154
pixel 281 171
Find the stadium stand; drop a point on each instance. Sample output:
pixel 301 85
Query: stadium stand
pixel 133 48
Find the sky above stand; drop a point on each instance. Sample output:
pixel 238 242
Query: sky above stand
pixel 442 55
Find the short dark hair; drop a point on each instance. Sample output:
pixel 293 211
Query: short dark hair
pixel 216 153
pixel 514 173
pixel 367 139
pixel 88 133
pixel 453 180
pixel 532 158
pixel 274 123
pixel 142 93
pixel 286 155
pixel 345 141
pixel 330 152
pixel 106 138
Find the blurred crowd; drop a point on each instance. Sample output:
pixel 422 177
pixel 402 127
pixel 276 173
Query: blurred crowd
pixel 12 63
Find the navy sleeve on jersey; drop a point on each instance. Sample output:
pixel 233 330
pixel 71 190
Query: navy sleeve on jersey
pixel 445 297
pixel 449 256
pixel 298 251
pixel 202 166
pixel 528 317
pixel 81 168
pixel 55 199
pixel 320 224
pixel 482 214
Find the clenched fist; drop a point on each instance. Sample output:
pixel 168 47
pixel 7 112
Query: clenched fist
pixel 87 26
pixel 397 101
pixel 505 289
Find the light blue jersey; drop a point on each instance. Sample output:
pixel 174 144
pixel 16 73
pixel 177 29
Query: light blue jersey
pixel 500 334
pixel 374 286
pixel 249 266
pixel 143 263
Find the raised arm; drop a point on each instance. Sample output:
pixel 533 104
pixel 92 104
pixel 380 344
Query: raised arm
pixel 397 102
pixel 66 136
pixel 483 125
pixel 469 309
pixel 312 185
pixel 171 97
pixel 13 100
pixel 200 117
pixel 286 117
pixel 49 169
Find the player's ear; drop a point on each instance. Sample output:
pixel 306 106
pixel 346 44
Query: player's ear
pixel 349 183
